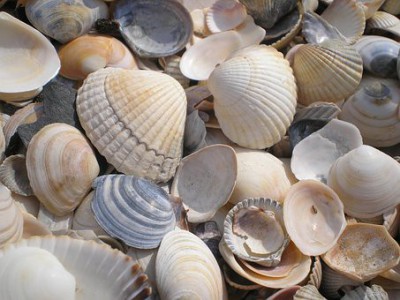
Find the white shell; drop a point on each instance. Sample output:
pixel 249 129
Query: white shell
pixel 225 15
pixel 11 221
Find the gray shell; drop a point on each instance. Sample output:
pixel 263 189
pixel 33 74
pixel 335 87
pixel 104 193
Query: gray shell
pixel 366 293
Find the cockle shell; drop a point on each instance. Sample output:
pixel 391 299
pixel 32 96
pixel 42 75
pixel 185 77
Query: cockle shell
pixel 308 292
pixel 13 175
pixel 132 209
pixel 144 140
pixel 364 179
pixel 391 6
pixel 254 106
pixel 100 272
pixel 89 53
pixel 225 15
pixel 64 21
pixel 375 292
pixel 186 269
pixel 383 21
pixel 363 251
pixel 322 209
pixel 374 109
pixel 11 221
pixel 61 166
pixel 27 60
pixel 205 180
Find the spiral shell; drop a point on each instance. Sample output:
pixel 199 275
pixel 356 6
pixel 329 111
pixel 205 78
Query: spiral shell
pixel 11 221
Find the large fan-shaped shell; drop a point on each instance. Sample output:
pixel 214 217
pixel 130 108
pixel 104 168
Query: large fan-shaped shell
pixel 132 209
pixel 186 269
pixel 11 221
pixel 61 166
pixel 135 119
pixel 62 20
pixel 254 96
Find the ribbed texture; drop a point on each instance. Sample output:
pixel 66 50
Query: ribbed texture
pixel 225 15
pixel 366 293
pixel 11 221
pixel 308 292
pixel 14 176
pixel 382 20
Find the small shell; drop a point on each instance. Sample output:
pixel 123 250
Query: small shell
pixel 238 282
pixel 11 220
pixel 391 6
pixel 308 292
pixel 370 6
pixel 363 251
pixel 225 15
pixel 383 21
pixel 171 68
pixel 13 174
pixel 195 132
pixel 375 292
pixel 132 209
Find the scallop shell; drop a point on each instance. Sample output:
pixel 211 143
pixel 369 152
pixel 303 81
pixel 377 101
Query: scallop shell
pixel 27 60
pixel 322 209
pixel 186 269
pixel 363 251
pixel 65 21
pixel 254 231
pixel 132 209
pixel 374 109
pixel 89 53
pixel 225 15
pixel 100 273
pixel 13 174
pixel 11 220
pixel 154 28
pixel 205 181
pixel 61 166
pixel 364 179
pixel 383 21
pixel 391 6
pixel 143 140
pixel 308 292
pixel 375 292
pixel 254 106
pixel 330 71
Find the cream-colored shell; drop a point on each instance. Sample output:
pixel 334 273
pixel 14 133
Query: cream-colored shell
pixel 383 21
pixel 61 166
pixel 11 221
pixel 254 96
pixel 308 292
pixel 225 15
pixel 391 6
pixel 370 6
pixel 375 292
pixel 135 119
pixel 365 179
pixel 186 269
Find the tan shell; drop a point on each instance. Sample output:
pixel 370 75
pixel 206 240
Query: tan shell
pixel 143 140
pixel 363 251
pixel 308 292
pixel 391 6
pixel 89 53
pixel 13 174
pixel 315 278
pixel 29 204
pixel 32 227
pixel 61 166
pixel 11 220
pixel 383 21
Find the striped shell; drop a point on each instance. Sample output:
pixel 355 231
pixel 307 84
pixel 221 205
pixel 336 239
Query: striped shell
pixel 135 119
pixel 11 221
pixel 254 96
pixel 383 21
pixel 61 166
pixel 308 292
pixel 132 209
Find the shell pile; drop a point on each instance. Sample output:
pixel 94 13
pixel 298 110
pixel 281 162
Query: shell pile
pixel 199 149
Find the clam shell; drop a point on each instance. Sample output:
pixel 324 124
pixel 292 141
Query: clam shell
pixel 64 22
pixel 27 60
pixel 318 111
pixel 61 166
pixel 11 220
pixel 154 28
pixel 364 179
pixel 308 292
pixel 375 292
pixel 89 53
pixel 256 105
pixel 132 209
pixel 205 181
pixel 13 174
pixel 391 6
pixel 330 71
pixel 186 269
pixel 224 15
pixel 363 251
pixel 322 209
pixel 144 140
pixel 195 132
pixel 100 273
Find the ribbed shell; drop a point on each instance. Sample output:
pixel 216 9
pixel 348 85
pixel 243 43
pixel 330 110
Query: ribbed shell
pixel 254 96
pixel 391 6
pixel 382 20
pixel 308 292
pixel 375 292
pixel 135 119
pixel 65 20
pixel 132 209
pixel 315 278
pixel 14 176
pixel 327 72
pixel 225 15
pixel 61 166
pixel 186 269
pixel 11 221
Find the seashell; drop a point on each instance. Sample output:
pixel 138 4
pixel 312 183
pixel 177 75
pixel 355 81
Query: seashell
pixel 391 221
pixel 379 55
pixel 308 292
pixel 297 275
pixel 391 6
pixel 259 174
pixel 224 15
pixel 65 22
pixel 89 53
pixel 272 107
pixel 28 204
pixel 284 294
pixel 370 7
pixel 254 231
pixel 317 30
pixel 200 28
pixel 383 21
pixel 132 209
pixel 374 110
pixel 221 214
pixel 324 211
pixel 318 111
pixel 310 5
pixel 32 227
pixel 375 292
pixel 161 28
pixel 61 166
pixel 209 233
pixel 313 156
pixel 11 224
pixel 150 133
pixel 13 174
pixel 238 282
pixel 205 181
pixel 59 225
pixel 328 72
pixel 195 132
pixel 315 278
pixel 191 5
pixel 171 67
pixel 28 60
pixel 100 272
pixel 363 251
pixel 186 269
pixel 302 129
pixel 372 194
